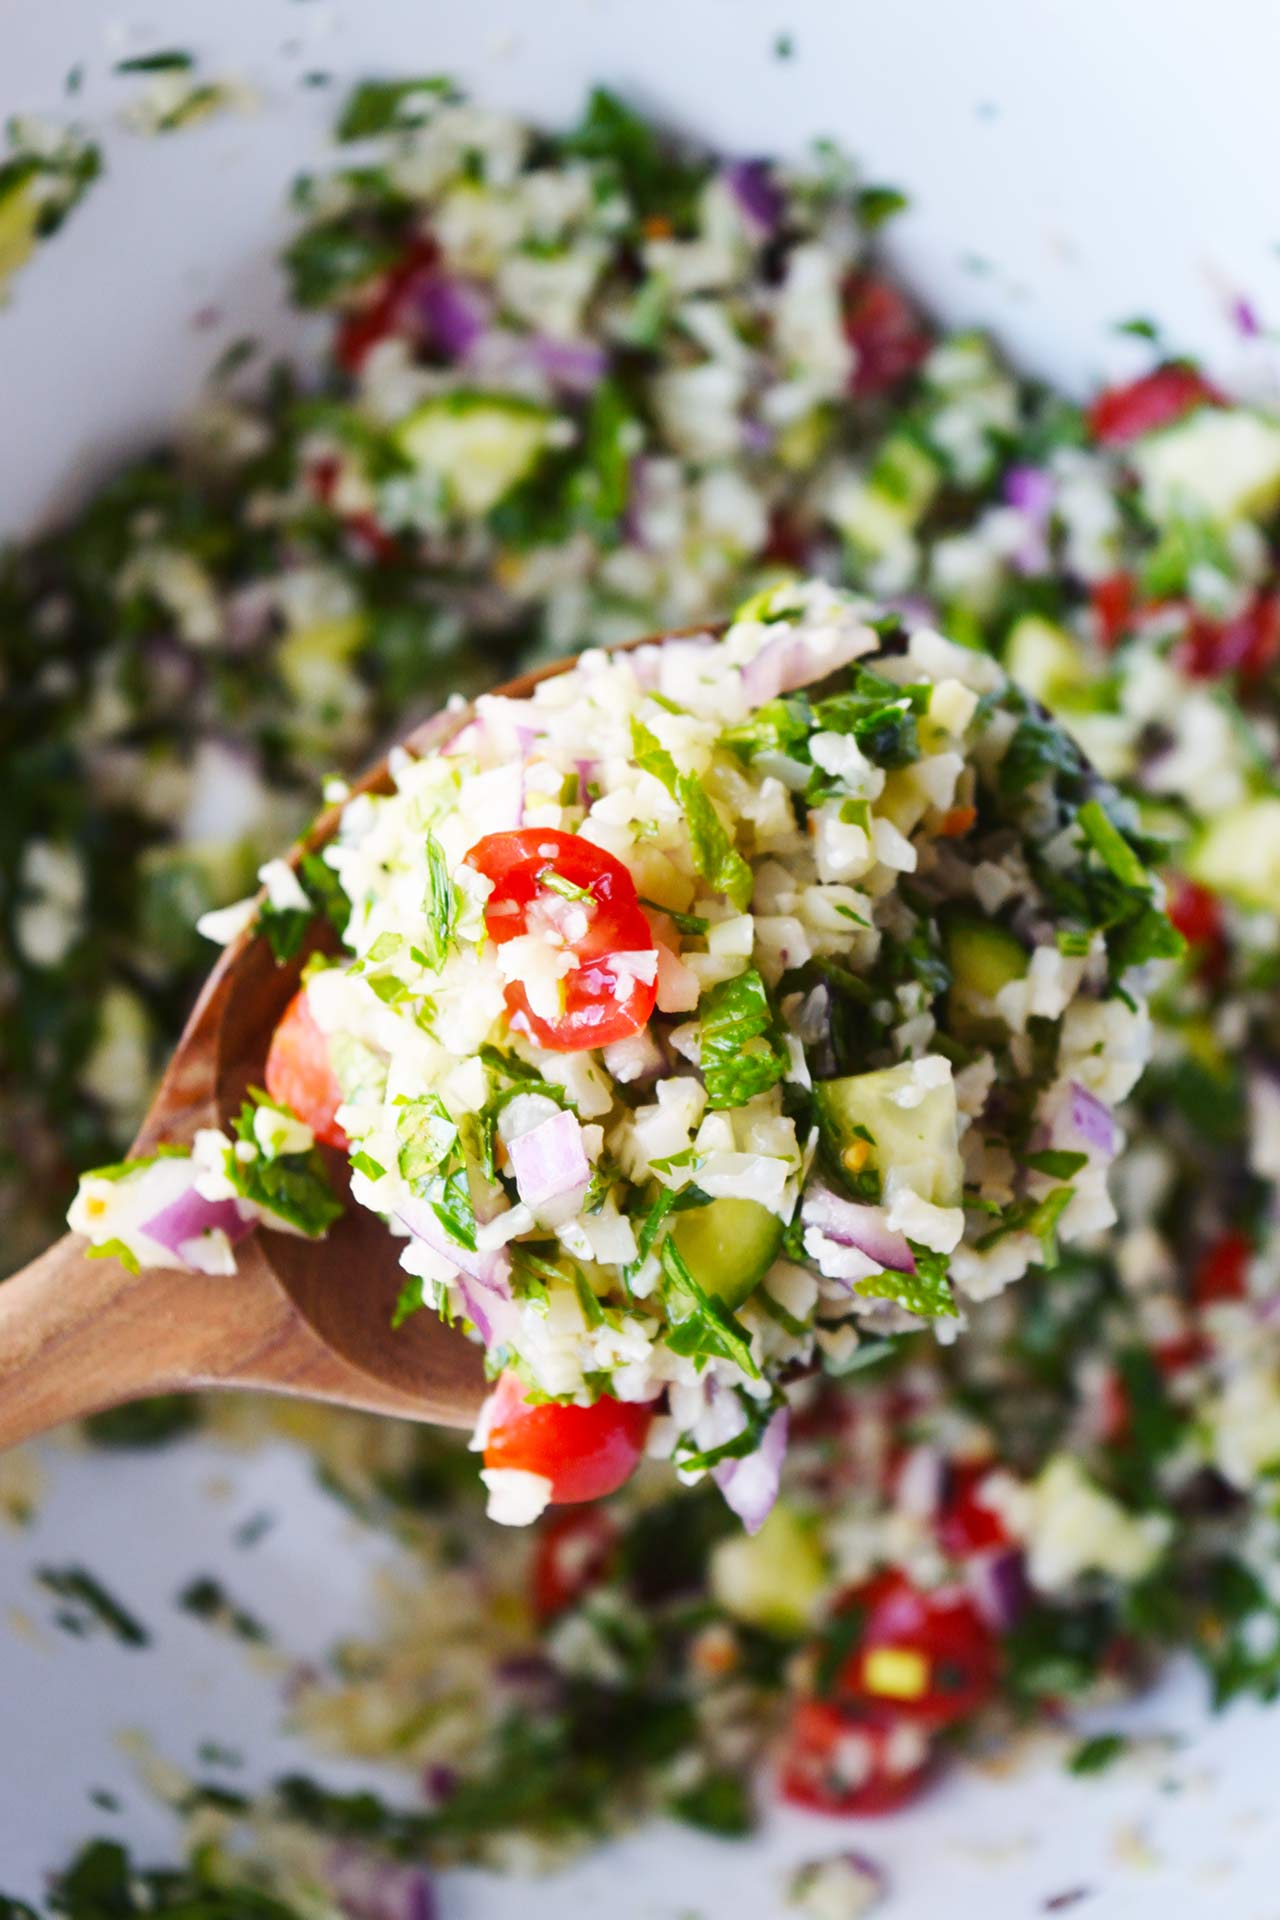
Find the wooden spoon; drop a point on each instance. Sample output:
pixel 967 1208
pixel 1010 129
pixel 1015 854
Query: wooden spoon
pixel 310 1318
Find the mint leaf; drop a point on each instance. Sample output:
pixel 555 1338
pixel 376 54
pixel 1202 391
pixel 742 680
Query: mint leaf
pixel 295 1186
pixel 701 1324
pixel 739 1054
pixel 1058 1166
pixel 427 1137
pixel 714 855
pixel 1111 846
pixel 926 1292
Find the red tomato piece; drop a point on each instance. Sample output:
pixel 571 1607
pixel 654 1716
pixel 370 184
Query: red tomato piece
pixel 380 314
pixel 298 1073
pixel 572 1556
pixel 583 1451
pixel 925 1656
pixel 885 331
pixel 965 1525
pixel 1220 1272
pixel 593 911
pixel 1195 912
pixel 1122 414
pixel 839 1762
pixel 1249 645
pixel 1114 602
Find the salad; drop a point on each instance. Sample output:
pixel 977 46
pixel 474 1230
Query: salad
pixel 718 1007
pixel 1079 1485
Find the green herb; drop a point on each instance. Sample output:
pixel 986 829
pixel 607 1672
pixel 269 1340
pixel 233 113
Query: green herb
pixel 1111 846
pixel 295 1186
pixel 567 889
pixel 91 1602
pixel 170 60
pixel 701 1324
pixel 714 855
pixel 440 906
pixel 286 928
pixel 1099 1753
pixel 690 924
pixel 103 1883
pixel 1039 750
pixel 1055 1164
pixel 740 1055
pixel 450 1200
pixel 878 204
pixel 721 1803
pixel 926 1292
pixel 366 1164
pixel 427 1137
pixel 207 1599
pixel 144 1423
pixel 384 106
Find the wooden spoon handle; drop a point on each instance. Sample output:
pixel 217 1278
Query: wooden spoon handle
pixel 77 1335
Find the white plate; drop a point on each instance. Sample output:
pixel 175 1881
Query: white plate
pixel 1071 165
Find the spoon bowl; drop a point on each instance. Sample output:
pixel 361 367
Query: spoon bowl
pixel 303 1317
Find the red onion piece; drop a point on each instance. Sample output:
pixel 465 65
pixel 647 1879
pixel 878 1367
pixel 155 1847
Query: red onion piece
pixel 1244 318
pixel 851 1224
pixel 759 200
pixel 191 1215
pixel 1031 490
pixel 457 312
pixel 586 770
pixel 750 1485
pixel 576 366
pixel 997 1583
pixel 370 1889
pixel 792 660
pixel 549 1161
pixel 491 1269
pixel 1083 1118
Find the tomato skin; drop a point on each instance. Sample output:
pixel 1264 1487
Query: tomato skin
pixel 1221 1270
pixel 965 1525
pixel 811 1774
pixel 1114 602
pixel 1120 415
pixel 940 1631
pixel 593 1015
pixel 885 331
pixel 369 324
pixel 1248 645
pixel 572 1555
pixel 584 1452
pixel 1195 912
pixel 298 1074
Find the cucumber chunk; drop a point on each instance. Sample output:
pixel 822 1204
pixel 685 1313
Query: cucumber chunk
pixel 1046 662
pixel 478 445
pixel 983 957
pixel 1220 464
pixel 774 1580
pixel 867 1130
pixel 1239 854
pixel 728 1246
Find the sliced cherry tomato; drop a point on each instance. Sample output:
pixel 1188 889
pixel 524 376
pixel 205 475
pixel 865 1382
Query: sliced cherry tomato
pixel 1114 601
pixel 298 1073
pixel 1248 645
pixel 885 331
pixel 1220 1272
pixel 379 314
pixel 835 1761
pixel 1195 912
pixel 1122 414
pixel 1173 1356
pixel 579 898
pixel 966 1526
pixel 925 1656
pixel 572 1556
pixel 583 1451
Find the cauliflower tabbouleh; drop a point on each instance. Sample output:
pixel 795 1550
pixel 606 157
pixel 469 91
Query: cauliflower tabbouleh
pixel 720 999
pixel 1041 1509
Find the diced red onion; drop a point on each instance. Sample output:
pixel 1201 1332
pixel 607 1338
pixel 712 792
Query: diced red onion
pixel 576 366
pixel 1032 491
pixel 756 436
pixel 1244 318
pixel 750 1485
pixel 439 1783
pixel 1085 1117
pixel 792 660
pixel 587 770
pixel 759 200
pixel 491 1269
pixel 457 312
pixel 997 1582
pixel 531 1680
pixel 367 1888
pixel 921 1482
pixel 191 1215
pixel 850 1224
pixel 549 1161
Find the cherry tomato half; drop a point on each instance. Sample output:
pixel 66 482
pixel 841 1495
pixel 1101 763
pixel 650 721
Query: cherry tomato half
pixel 1122 414
pixel 572 1555
pixel 1248 645
pixel 298 1073
pixel 579 898
pixel 379 313
pixel 1222 1269
pixel 835 1761
pixel 885 331
pixel 583 1451
pixel 966 1525
pixel 924 1656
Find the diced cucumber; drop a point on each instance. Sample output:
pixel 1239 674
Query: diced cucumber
pixel 878 513
pixel 862 1119
pixel 983 955
pixel 1221 464
pixel 728 1246
pixel 19 228
pixel 1239 854
pixel 478 445
pixel 773 1580
pixel 1045 661
pixel 308 658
